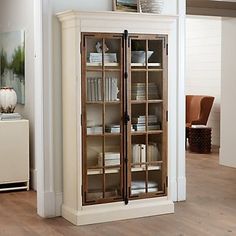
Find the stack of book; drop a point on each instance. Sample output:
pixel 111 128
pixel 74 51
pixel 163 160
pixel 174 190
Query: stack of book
pixel 97 57
pixel 95 129
pixel 139 186
pixel 139 154
pixel 113 128
pixel 139 123
pixel 94 89
pixel 110 159
pixel 138 91
pixel 10 116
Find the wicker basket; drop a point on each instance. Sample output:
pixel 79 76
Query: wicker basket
pixel 200 140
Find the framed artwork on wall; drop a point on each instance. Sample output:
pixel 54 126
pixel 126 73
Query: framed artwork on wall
pixel 12 62
pixel 126 5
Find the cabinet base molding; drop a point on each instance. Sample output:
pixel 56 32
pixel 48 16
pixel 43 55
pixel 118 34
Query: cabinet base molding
pixel 14 186
pixel 117 211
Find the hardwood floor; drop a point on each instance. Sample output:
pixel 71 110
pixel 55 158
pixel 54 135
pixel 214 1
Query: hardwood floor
pixel 210 209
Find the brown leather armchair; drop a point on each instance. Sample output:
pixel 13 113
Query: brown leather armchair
pixel 198 109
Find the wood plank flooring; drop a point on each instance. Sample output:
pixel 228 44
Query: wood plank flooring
pixel 210 210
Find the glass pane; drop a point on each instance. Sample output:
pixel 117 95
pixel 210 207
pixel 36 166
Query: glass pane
pixel 94 86
pixel 112 57
pixel 138 53
pixel 112 86
pixel 112 151
pixel 155 116
pixel 94 151
pixel 138 182
pixel 155 179
pixel 154 148
pixel 155 60
pixel 138 152
pixel 138 86
pixel 94 119
pixel 94 52
pixel 138 118
pixel 95 187
pixel 112 118
pixel 113 183
pixel 155 85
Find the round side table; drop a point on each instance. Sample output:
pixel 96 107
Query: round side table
pixel 200 139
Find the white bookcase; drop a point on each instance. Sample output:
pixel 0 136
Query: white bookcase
pixel 14 155
pixel 76 27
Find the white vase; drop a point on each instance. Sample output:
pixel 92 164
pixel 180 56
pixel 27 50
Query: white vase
pixel 152 6
pixel 8 100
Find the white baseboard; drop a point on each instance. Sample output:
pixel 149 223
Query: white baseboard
pixel 181 189
pixel 173 190
pixel 52 205
pixel 59 197
pixel 33 179
pixel 117 211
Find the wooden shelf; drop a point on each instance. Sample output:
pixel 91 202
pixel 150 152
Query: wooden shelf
pixel 99 64
pixel 146 132
pixel 144 64
pixel 144 101
pixel 114 171
pixel 101 102
pixel 103 134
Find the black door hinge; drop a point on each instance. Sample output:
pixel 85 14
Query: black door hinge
pixel 81 120
pixel 167 49
pixel 166 116
pixel 167 181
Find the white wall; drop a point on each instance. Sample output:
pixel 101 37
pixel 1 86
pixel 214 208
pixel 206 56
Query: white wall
pixel 18 15
pixel 203 64
pixel 83 5
pixel 228 93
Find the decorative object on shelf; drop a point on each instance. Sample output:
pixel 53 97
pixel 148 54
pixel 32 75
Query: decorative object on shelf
pixel 152 6
pixel 12 62
pixel 126 5
pixel 10 116
pixel 8 100
pixel 99 47
pixel 140 56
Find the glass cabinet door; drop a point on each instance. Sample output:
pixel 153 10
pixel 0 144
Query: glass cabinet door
pixel 147 107
pixel 102 90
pixel 124 117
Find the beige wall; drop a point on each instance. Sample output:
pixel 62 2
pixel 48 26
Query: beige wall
pixel 203 64
pixel 228 86
pixel 18 15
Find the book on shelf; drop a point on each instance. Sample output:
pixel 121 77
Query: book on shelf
pixel 110 159
pixel 139 186
pixel 138 91
pixel 139 123
pixel 139 154
pixel 95 129
pixel 97 57
pixel 94 89
pixel 113 128
pixel 10 116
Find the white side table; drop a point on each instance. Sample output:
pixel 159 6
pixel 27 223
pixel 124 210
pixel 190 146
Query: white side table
pixel 14 155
